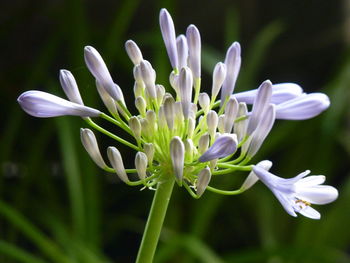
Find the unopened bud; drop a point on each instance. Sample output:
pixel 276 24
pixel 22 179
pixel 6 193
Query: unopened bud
pixel 140 104
pixel 177 154
pixel 204 101
pixel 149 151
pixel 212 122
pixel 134 52
pixel 135 127
pixel 203 180
pixel 203 143
pixel 70 86
pixel 116 161
pixel 89 142
pixel 141 164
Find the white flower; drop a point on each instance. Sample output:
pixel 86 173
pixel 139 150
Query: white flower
pixel 298 193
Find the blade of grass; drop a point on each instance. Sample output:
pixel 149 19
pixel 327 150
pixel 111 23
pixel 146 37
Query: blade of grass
pixel 18 254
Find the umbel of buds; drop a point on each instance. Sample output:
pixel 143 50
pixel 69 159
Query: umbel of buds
pixel 185 135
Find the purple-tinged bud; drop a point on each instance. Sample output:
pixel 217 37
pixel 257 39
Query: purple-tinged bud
pixel 219 75
pixel 185 84
pixel 233 65
pixel 261 102
pixel 223 146
pixel 160 91
pixel 204 102
pixel 252 178
pixel 303 107
pixel 212 122
pixel 194 50
pixel 140 105
pixel 43 105
pixel 221 123
pixel 182 50
pixel 90 144
pixel 149 151
pixel 108 101
pixel 174 82
pixel 169 112
pixel 141 164
pixel 149 78
pixel 134 52
pixel 231 111
pixel 280 93
pixel 240 127
pixel 99 70
pixel 116 161
pixel 262 130
pixel 203 180
pixel 169 37
pixel 70 87
pixel 203 143
pixel 177 154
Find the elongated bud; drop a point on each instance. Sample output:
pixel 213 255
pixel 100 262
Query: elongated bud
pixel 189 150
pixel 138 74
pixel 203 180
pixel 219 75
pixel 89 142
pixel 135 127
pixel 233 65
pixel 140 105
pixel 221 123
pixel 149 78
pixel 204 101
pixel 108 101
pixel 151 118
pixel 160 91
pixel 169 37
pixel 141 164
pixel 281 92
pixel 203 143
pixel 223 146
pixel 116 161
pixel 70 87
pixel 252 178
pixel 182 50
pixel 169 112
pixel 194 50
pixel 134 52
pixel 174 82
pixel 177 154
pixel 303 107
pixel 264 127
pixel 261 102
pixel 212 122
pixel 149 151
pixel 99 70
pixel 161 118
pixel 43 105
pixel 230 114
pixel 191 127
pixel 240 126
pixel 185 84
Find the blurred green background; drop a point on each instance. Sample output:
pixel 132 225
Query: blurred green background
pixel 57 206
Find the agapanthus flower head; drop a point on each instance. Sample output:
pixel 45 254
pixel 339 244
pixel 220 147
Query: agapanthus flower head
pixel 182 133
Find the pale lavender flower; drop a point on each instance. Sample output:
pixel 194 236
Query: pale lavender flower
pixel 223 146
pixel 169 37
pixel 182 50
pixel 252 178
pixel 303 107
pixel 281 92
pixel 70 87
pixel 99 70
pixel 43 105
pixel 194 50
pixel 233 65
pixel 298 193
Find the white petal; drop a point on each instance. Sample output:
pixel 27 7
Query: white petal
pixel 311 180
pixel 319 194
pixel 310 213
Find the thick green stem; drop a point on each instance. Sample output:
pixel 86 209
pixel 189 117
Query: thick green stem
pixel 155 219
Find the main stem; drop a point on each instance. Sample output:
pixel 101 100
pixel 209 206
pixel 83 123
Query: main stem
pixel 155 219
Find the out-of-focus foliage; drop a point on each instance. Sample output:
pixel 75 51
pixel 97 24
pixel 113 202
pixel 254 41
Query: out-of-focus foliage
pixel 57 206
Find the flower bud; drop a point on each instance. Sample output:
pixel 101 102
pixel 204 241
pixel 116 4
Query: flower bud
pixel 149 78
pixel 194 50
pixel 108 101
pixel 89 142
pixel 203 180
pixel 233 65
pixel 70 86
pixel 135 127
pixel 223 146
pixel 182 50
pixel 177 154
pixel 221 123
pixel 219 75
pixel 168 33
pixel 204 102
pixel 185 84
pixel 134 52
pixel 43 105
pixel 240 127
pixel 160 91
pixel 203 143
pixel 141 164
pixel 191 127
pixel 116 161
pixel 140 105
pixel 189 150
pixel 212 122
pixel 149 151
pixel 169 112
pixel 230 114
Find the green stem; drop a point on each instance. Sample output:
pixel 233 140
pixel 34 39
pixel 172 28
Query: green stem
pixel 155 219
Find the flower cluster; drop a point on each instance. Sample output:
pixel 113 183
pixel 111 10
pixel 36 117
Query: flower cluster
pixel 185 134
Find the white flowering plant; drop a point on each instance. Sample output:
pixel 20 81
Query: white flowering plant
pixel 185 135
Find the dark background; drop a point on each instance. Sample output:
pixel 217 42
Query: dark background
pixel 56 205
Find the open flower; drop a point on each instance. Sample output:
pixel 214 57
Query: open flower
pixel 298 193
